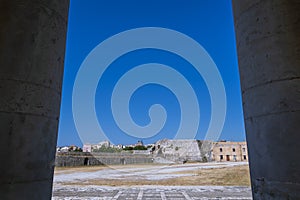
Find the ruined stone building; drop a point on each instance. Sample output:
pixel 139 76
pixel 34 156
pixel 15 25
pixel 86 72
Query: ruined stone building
pixel 179 151
pixel 229 151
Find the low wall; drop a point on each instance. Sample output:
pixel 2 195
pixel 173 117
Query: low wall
pixel 71 159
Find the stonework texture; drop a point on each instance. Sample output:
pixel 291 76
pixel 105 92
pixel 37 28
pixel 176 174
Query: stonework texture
pixel 32 48
pixel 268 46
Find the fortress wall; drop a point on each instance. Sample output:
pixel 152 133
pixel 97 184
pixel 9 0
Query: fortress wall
pixel 72 159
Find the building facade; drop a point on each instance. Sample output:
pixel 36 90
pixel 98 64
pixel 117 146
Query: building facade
pixel 230 151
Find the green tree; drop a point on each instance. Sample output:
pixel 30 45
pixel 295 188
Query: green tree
pixel 140 148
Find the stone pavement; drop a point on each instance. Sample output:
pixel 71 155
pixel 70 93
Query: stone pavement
pixel 152 193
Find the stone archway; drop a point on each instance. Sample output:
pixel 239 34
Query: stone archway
pixel 32 38
pixel 86 161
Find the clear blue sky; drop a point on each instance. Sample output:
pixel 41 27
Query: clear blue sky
pixel 208 22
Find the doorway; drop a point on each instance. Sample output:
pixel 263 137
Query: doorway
pixel 86 161
pixel 227 157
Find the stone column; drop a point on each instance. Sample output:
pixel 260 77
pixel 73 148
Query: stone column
pixel 268 46
pixel 32 47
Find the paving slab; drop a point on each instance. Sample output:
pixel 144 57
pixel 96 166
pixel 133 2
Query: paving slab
pixel 93 192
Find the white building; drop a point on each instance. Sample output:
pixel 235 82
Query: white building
pixel 87 148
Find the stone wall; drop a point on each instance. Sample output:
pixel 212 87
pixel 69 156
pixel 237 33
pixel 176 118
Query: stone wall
pixel 71 159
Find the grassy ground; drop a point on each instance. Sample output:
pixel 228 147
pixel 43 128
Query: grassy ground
pixel 225 176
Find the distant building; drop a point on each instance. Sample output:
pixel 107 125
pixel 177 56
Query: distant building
pixel 229 151
pixel 87 148
pixel 139 143
pixel 119 146
pixel 104 144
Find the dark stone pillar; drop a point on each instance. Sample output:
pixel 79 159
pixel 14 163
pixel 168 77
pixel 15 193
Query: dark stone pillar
pixel 268 45
pixel 32 46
